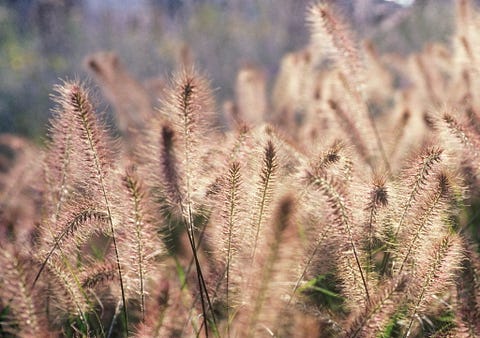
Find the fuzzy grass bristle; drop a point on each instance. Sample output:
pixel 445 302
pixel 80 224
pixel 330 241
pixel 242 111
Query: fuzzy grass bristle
pixel 280 217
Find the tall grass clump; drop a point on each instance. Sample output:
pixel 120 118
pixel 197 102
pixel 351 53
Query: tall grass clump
pixel 343 206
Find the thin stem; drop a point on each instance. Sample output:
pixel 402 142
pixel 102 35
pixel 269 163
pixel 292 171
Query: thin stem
pixel 268 172
pixel 428 160
pixel 260 214
pixel 307 264
pixel 267 271
pixel 186 96
pixel 133 187
pixel 332 193
pixel 91 144
pixel 231 222
pixel 114 319
pixel 370 241
pixel 425 220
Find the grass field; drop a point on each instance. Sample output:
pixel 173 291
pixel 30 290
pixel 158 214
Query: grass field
pixel 343 202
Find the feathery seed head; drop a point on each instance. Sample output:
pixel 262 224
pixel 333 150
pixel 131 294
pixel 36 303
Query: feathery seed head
pixel 270 157
pixel 379 193
pixel 285 211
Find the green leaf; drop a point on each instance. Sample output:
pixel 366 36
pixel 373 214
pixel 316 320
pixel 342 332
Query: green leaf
pixel 180 273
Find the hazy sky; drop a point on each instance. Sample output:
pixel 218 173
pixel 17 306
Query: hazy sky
pixel 403 2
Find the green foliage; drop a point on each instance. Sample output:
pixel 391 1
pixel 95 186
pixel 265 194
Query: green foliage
pixel 323 290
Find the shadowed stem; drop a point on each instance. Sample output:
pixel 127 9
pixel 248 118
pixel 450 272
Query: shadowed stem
pixel 337 199
pixel 92 146
pixel 201 280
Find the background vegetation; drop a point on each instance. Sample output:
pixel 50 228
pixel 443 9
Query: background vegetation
pixel 41 41
pixel 332 191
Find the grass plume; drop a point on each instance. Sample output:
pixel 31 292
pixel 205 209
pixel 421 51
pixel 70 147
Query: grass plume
pixel 196 224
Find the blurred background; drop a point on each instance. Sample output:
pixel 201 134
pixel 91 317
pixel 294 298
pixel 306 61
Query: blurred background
pixel 42 41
